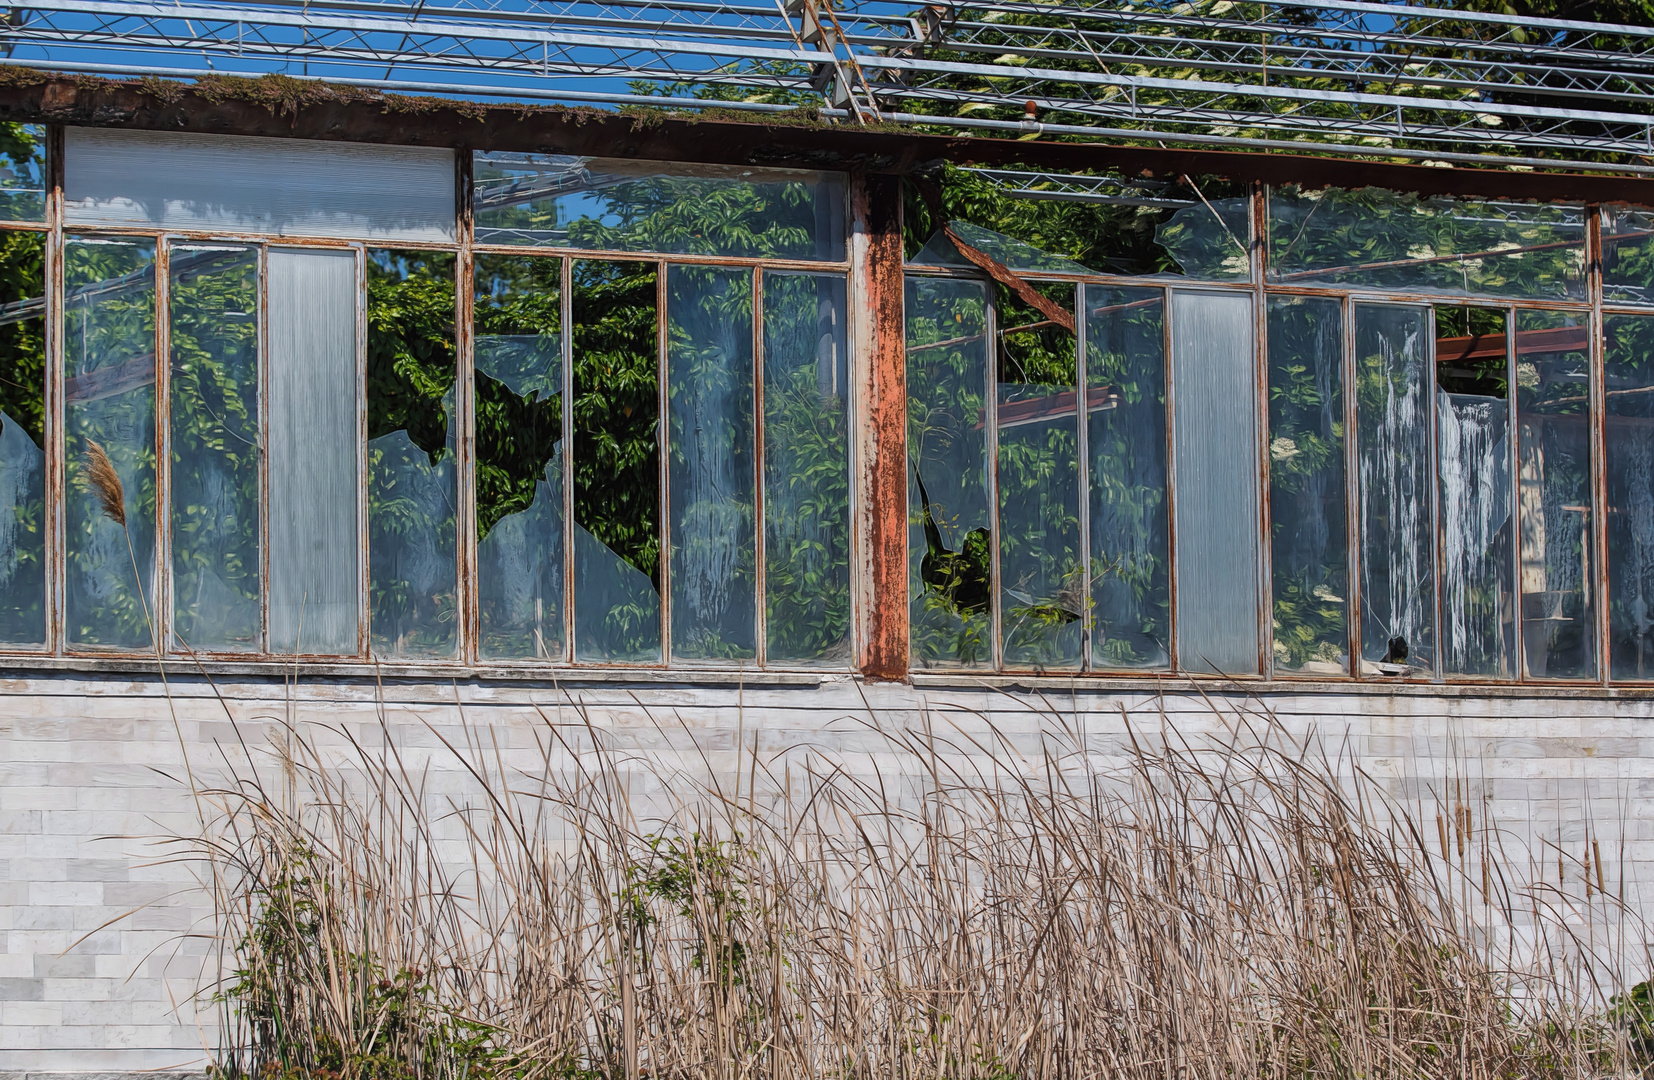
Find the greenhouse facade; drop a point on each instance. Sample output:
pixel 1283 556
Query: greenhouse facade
pixel 418 417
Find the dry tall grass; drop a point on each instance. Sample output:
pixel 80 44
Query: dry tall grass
pixel 1247 908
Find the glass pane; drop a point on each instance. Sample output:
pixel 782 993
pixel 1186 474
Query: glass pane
pixel 214 486
pixel 1310 567
pixel 616 463
pixel 22 438
pixel 1392 443
pixel 555 200
pixel 1131 598
pixel 1553 495
pixel 1035 221
pixel 23 172
pixel 1215 428
pixel 109 416
pixel 315 452
pixel 949 545
pixel 1377 239
pixel 519 405
pixel 1628 255
pixel 1628 376
pixel 806 470
pixel 412 498
pixel 709 376
pixel 1041 580
pixel 1478 608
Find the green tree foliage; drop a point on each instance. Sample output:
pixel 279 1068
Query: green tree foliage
pixel 22 470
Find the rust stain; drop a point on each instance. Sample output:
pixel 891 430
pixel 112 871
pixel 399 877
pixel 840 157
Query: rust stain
pixel 886 651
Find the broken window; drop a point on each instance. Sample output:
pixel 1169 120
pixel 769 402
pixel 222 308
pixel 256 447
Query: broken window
pixel 412 479
pixel 1308 547
pixel 22 438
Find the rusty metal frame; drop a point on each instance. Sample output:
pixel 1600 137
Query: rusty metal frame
pixel 663 443
pixel 760 595
pixel 1258 204
pixel 467 581
pixel 1082 471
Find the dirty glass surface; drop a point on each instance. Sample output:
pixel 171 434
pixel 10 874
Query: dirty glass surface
pixel 1394 487
pixel 1478 600
pixel 1215 463
pixel 1553 495
pixel 412 492
pixel 806 470
pixel 1125 344
pixel 1042 589
pixel 1628 384
pixel 1627 255
pixel 1378 239
pixel 314 452
pixel 617 607
pixel 214 443
pixel 1197 227
pixel 556 200
pixel 23 172
pixel 518 356
pixel 950 578
pixel 109 416
pixel 22 438
pixel 712 475
pixel 1308 545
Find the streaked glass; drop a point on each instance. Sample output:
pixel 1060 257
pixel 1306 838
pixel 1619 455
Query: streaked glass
pixel 1628 255
pixel 1553 495
pixel 214 444
pixel 314 409
pixel 806 470
pixel 949 543
pixel 1309 550
pixel 22 438
pixel 1394 489
pixel 1218 505
pixel 617 570
pixel 1131 595
pixel 1042 589
pixel 518 357
pixel 610 204
pixel 1628 385
pixel 712 476
pixel 412 492
pixel 109 405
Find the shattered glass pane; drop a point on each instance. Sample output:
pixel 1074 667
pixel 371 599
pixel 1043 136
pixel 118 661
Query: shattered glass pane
pixel 518 343
pixel 1309 552
pixel 1125 342
pixel 556 200
pixel 109 414
pixel 1478 608
pixel 412 494
pixel 709 380
pixel 806 470
pixel 1394 487
pixel 949 543
pixel 1210 240
pixel 1628 376
pixel 617 607
pixel 1377 239
pixel 213 325
pixel 23 172
pixel 1553 495
pixel 1042 581
pixel 1628 255
pixel 22 438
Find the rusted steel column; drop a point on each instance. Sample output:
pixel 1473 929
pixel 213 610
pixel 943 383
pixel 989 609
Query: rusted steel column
pixel 880 359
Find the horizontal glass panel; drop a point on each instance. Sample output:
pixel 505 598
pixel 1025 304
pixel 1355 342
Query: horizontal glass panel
pixel 950 547
pixel 806 470
pixel 413 497
pixel 1308 546
pixel 214 443
pixel 1628 385
pixel 1628 255
pixel 555 200
pixel 1131 597
pixel 109 416
pixel 23 172
pixel 1371 238
pixel 617 571
pixel 1042 589
pixel 1553 495
pixel 518 318
pixel 22 438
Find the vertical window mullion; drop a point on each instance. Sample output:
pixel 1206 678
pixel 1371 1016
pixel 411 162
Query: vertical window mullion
pixel 1598 412
pixel 990 409
pixel 1082 444
pixel 1259 203
pixel 466 586
pixel 161 603
pixel 1438 553
pixel 566 303
pixel 1352 490
pixel 263 348
pixel 53 427
pixel 663 428
pixel 1172 574
pixel 364 573
pixel 760 626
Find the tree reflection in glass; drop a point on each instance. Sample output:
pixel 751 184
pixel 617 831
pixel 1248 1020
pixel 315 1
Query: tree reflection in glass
pixel 22 438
